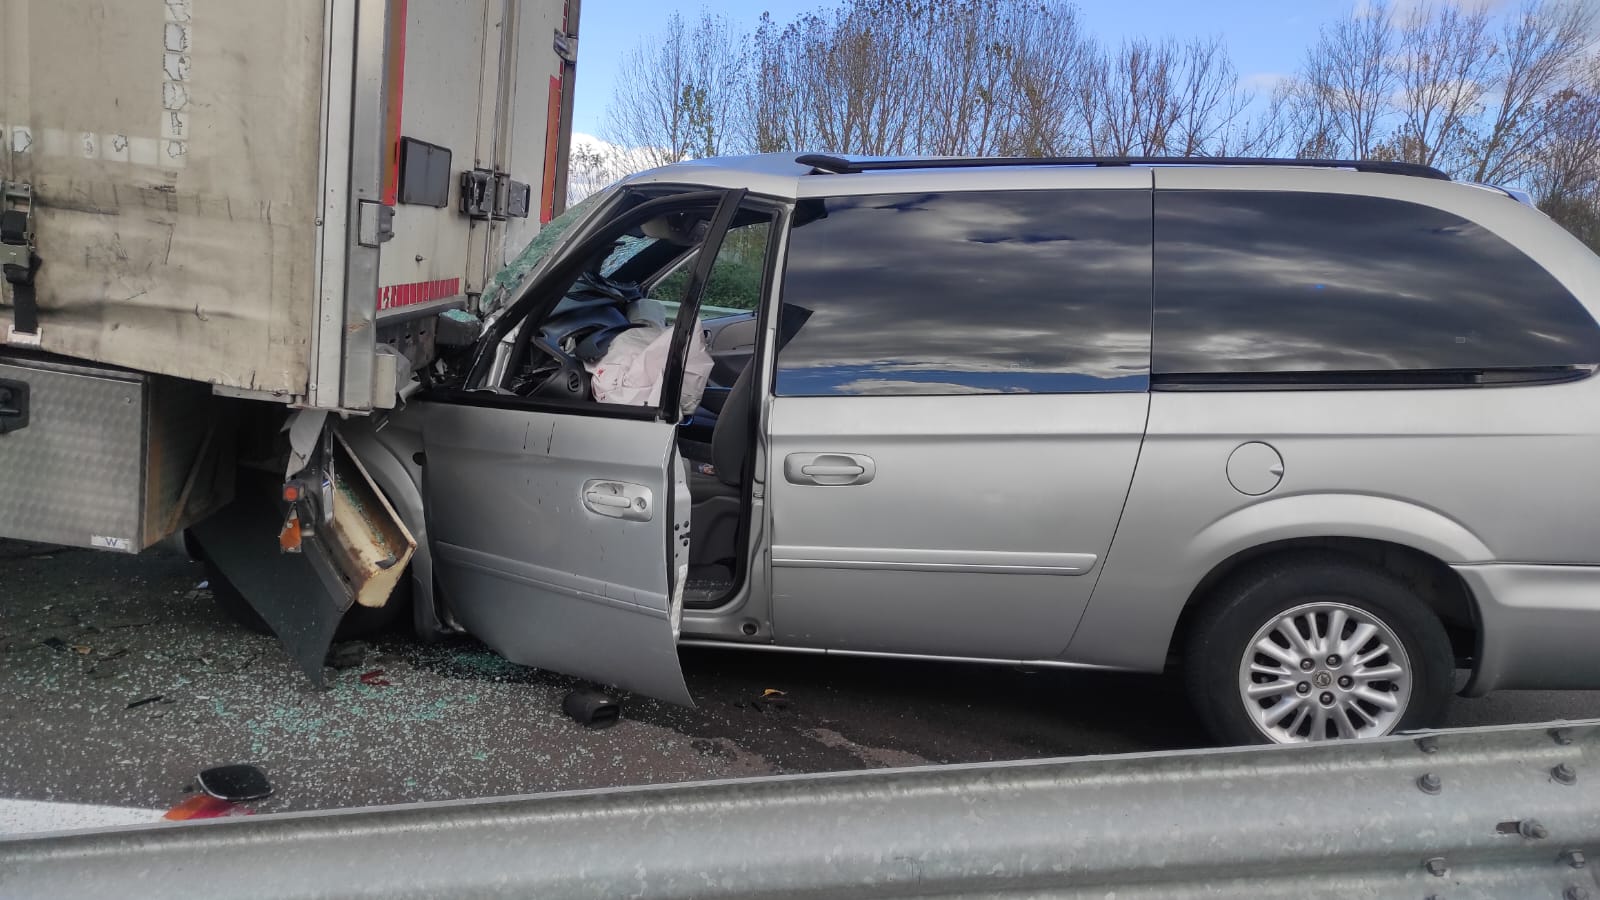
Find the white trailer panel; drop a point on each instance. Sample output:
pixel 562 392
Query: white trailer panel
pixel 219 187
pixel 172 147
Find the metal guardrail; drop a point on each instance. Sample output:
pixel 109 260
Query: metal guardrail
pixel 1503 812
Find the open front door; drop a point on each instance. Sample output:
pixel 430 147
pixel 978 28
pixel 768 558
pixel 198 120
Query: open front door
pixel 560 527
pixel 552 539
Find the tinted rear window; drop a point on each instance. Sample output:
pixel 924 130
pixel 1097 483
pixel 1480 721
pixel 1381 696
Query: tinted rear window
pixel 1258 281
pixel 968 293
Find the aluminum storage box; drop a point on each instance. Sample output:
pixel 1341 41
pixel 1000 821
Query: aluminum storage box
pixel 109 459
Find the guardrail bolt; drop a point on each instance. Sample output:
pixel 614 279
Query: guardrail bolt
pixel 1430 784
pixel 1561 735
pixel 1574 858
pixel 1564 774
pixel 1532 828
pixel 1576 892
pixel 1436 867
pixel 1428 744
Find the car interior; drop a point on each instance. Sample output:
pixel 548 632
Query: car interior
pixel 635 285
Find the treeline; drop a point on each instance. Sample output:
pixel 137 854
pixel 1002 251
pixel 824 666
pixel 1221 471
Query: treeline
pixel 1511 98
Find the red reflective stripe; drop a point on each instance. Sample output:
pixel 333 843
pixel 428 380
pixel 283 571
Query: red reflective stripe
pixel 397 295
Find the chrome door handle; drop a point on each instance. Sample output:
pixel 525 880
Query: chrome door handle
pixel 618 500
pixel 829 469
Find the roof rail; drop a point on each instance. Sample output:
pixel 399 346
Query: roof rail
pixel 837 165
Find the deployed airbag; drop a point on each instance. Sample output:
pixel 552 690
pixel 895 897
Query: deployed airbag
pixel 630 372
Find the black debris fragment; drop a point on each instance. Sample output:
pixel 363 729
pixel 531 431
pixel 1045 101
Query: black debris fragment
pixel 348 655
pixel 592 708
pixel 144 701
pixel 236 783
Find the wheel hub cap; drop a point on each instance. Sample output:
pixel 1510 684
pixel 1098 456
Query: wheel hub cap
pixel 1360 679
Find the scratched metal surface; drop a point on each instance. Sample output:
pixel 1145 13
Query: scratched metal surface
pixel 174 157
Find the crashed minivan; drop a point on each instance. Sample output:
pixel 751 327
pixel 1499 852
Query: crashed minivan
pixel 1313 435
pixel 1316 436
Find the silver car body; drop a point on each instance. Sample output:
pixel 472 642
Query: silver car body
pixel 1047 529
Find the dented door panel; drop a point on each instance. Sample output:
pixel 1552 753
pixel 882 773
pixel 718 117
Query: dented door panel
pixel 540 571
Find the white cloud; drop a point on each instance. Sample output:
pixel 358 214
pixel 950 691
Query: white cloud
pixel 1263 82
pixel 1402 8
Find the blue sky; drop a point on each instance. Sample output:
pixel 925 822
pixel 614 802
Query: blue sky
pixel 1266 37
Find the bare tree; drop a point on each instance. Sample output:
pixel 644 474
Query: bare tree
pixel 1210 103
pixel 1266 131
pixel 1160 98
pixel 959 77
pixel 860 75
pixel 1539 45
pixel 1566 171
pixel 1439 83
pixel 1132 95
pixel 777 109
pixel 1048 62
pixel 1446 57
pixel 676 93
pixel 1342 94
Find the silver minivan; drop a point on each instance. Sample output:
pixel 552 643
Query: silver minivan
pixel 1316 435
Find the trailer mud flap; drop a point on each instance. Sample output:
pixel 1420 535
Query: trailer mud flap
pixel 357 553
pixel 300 596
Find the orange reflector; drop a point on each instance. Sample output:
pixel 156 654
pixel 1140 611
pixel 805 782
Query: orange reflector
pixel 289 537
pixel 291 493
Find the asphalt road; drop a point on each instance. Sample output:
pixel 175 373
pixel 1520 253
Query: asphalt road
pixel 121 682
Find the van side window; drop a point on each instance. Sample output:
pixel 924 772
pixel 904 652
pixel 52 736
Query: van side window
pixel 1278 282
pixel 967 293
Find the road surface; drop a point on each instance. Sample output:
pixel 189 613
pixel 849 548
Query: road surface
pixel 122 682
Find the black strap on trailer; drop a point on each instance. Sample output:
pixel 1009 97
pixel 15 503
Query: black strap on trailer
pixel 21 264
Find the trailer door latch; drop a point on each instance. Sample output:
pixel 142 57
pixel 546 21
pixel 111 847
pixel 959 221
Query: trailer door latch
pixel 13 405
pixel 493 195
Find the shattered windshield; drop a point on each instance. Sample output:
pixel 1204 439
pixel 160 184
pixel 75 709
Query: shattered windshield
pixel 552 235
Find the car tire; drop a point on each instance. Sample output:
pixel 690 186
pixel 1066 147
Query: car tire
pixel 1270 697
pixel 358 621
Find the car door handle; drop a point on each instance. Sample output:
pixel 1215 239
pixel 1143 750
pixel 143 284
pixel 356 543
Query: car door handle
pixel 618 500
pixel 610 500
pixel 829 469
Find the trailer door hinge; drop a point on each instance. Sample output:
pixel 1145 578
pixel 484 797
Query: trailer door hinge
pixel 19 260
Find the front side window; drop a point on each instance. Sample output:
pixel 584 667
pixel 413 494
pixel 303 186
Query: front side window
pixel 736 273
pixel 1285 282
pixel 967 293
